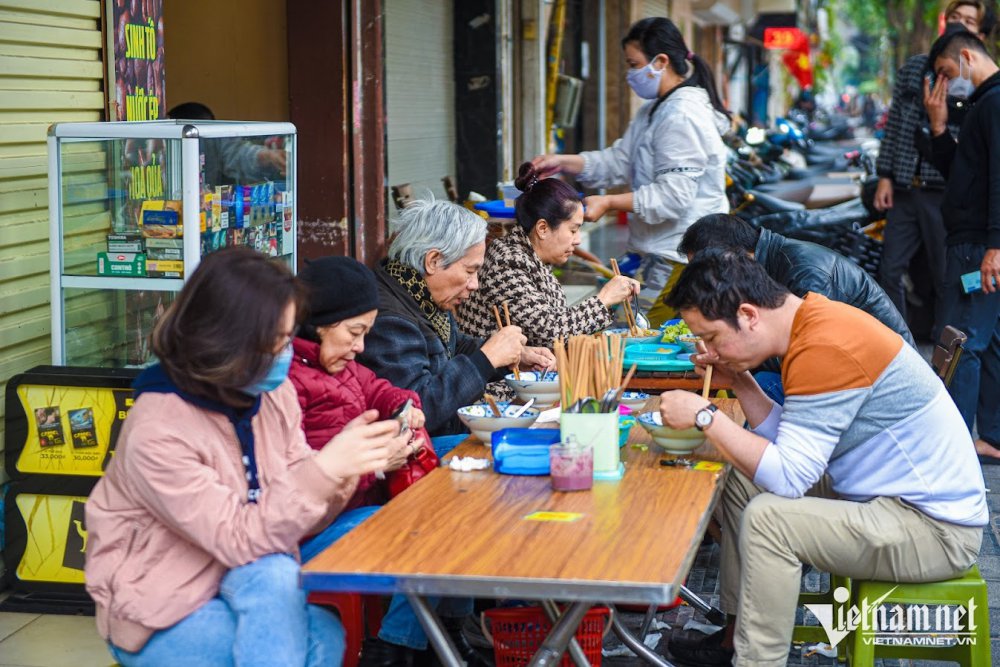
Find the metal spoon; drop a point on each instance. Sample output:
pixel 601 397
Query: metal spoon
pixel 524 408
pixel 640 320
pixel 608 400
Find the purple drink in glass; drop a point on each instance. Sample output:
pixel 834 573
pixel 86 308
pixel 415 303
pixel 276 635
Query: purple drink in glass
pixel 572 467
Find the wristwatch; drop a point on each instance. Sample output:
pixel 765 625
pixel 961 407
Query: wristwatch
pixel 703 418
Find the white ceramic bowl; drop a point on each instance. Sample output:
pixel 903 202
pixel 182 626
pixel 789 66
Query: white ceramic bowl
pixel 480 420
pixel 653 337
pixel 671 440
pixel 634 399
pixel 543 387
pixel 689 342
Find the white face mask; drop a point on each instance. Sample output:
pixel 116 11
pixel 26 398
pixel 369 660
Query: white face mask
pixel 645 81
pixel 961 87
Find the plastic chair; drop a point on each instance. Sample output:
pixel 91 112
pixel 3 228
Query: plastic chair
pixel 354 612
pixel 956 592
pixel 815 634
pixel 947 352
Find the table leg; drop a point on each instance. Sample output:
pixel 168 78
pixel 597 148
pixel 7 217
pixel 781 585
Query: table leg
pixel 436 634
pixel 715 616
pixel 647 621
pixel 550 652
pixel 633 644
pixel 575 652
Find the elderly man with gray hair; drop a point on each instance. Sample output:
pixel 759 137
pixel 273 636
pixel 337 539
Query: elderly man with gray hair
pixel 432 268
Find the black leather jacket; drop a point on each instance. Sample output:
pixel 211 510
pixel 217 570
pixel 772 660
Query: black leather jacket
pixel 806 267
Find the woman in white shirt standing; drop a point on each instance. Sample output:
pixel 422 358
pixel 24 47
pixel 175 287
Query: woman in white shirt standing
pixel 672 156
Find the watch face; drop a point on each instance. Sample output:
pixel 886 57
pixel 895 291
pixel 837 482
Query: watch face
pixel 703 418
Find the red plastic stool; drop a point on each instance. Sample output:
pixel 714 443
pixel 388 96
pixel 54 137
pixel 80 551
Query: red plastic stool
pixel 354 611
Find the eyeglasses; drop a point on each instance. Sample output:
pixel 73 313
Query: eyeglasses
pixel 288 340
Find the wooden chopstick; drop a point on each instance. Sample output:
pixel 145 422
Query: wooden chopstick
pixel 492 402
pixel 707 387
pixel 506 312
pixel 628 378
pixel 500 325
pixel 629 317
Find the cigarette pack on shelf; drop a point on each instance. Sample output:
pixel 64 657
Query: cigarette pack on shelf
pixel 208 220
pixel 129 264
pixel 173 244
pixel 164 266
pixel 125 242
pixel 161 219
pixel 223 201
pixel 165 253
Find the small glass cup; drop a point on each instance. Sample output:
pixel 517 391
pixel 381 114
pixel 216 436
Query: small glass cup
pixel 572 467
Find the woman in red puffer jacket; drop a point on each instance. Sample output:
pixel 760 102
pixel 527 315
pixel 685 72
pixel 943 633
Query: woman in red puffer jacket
pixel 332 387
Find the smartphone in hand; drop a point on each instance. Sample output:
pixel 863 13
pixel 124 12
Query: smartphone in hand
pixel 973 282
pixel 402 415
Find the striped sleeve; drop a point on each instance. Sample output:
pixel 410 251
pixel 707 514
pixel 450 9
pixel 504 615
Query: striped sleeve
pixel 828 376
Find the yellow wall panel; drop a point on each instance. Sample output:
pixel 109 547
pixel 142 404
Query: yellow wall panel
pixel 53 9
pixel 19 33
pixel 51 71
pixel 50 68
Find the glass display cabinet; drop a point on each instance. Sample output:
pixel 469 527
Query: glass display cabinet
pixel 133 208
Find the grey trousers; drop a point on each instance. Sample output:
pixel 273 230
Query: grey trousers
pixel 766 539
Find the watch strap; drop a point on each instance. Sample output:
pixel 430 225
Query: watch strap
pixel 711 408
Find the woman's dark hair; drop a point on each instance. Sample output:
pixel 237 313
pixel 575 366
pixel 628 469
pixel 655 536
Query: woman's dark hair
pixel 547 198
pixel 656 35
pixel 719 230
pixel 718 280
pixel 219 334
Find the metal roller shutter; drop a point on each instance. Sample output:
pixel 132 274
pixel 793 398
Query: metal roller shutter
pixel 420 95
pixel 51 71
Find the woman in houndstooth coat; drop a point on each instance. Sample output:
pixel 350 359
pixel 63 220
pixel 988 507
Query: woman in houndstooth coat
pixel 517 269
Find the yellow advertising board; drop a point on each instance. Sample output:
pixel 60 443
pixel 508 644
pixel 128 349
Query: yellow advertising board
pixel 58 538
pixel 70 430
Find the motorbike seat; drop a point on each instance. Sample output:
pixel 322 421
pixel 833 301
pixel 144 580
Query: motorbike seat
pixel 775 204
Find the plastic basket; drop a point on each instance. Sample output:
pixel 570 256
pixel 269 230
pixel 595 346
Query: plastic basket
pixel 518 632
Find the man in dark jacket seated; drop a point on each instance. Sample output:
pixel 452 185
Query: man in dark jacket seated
pixel 432 268
pixel 801 267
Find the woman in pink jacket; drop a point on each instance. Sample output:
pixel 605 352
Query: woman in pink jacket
pixel 194 529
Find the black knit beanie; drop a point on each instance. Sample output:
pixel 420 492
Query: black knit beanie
pixel 339 288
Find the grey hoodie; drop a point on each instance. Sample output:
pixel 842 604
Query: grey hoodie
pixel 675 163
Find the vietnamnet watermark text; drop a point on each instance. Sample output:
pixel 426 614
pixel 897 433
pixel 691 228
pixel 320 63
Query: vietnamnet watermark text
pixel 896 624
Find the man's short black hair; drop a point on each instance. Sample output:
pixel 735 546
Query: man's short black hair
pixel 718 280
pixel 955 38
pixel 191 111
pixel 719 230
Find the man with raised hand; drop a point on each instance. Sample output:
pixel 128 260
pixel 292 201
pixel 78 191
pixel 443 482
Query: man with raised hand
pixel 971 208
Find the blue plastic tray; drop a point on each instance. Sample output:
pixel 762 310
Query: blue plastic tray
pixel 495 209
pixel 656 357
pixel 523 451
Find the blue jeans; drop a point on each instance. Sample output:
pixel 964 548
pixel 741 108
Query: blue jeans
pixel 975 386
pixel 770 384
pixel 260 617
pixel 399 625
